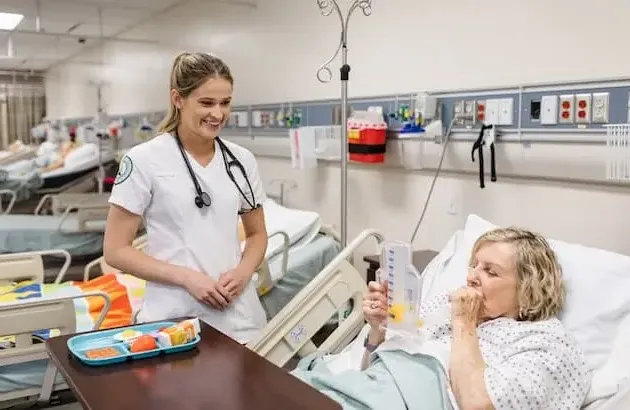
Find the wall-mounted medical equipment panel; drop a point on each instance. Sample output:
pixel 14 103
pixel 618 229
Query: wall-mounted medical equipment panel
pixel 543 109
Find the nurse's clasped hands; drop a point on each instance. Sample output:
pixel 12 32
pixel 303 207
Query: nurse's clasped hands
pixel 234 281
pixel 207 290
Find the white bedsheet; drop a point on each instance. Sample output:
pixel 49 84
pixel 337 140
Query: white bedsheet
pixel 301 226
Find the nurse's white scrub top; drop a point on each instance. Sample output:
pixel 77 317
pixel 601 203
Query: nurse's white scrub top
pixel 153 182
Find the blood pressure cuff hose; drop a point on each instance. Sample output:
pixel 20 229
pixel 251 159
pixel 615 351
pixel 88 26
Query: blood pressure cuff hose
pixel 478 146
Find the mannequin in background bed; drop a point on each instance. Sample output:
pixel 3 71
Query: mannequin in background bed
pixel 66 149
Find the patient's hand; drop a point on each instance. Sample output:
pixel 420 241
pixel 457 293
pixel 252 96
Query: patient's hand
pixel 375 304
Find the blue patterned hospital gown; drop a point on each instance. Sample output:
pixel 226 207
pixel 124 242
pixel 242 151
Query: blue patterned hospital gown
pixel 531 365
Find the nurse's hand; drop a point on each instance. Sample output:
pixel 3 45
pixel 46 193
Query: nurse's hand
pixel 206 290
pixel 234 281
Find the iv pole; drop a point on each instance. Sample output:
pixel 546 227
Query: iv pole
pixel 324 75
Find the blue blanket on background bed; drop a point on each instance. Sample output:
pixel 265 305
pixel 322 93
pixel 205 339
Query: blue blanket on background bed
pixel 395 380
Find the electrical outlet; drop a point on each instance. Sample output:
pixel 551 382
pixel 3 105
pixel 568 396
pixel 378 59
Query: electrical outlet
pixel 549 110
pixel 567 109
pixel 481 111
pixel 492 112
pixel 583 108
pixel 506 111
pixel 600 108
pixel 458 112
pixel 469 110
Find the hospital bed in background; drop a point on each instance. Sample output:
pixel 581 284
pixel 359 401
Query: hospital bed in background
pixel 28 319
pixel 297 252
pixel 78 174
pixel 23 152
pixel 77 225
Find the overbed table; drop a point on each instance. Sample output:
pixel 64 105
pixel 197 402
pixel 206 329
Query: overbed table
pixel 219 374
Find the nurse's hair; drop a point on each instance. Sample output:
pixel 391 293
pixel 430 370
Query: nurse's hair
pixel 540 291
pixel 189 72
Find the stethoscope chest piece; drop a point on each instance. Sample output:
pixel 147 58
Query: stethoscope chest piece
pixel 203 199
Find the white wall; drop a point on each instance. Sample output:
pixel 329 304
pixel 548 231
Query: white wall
pixel 405 46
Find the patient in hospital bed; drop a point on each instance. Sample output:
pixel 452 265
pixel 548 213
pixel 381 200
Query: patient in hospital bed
pixel 66 149
pixel 497 343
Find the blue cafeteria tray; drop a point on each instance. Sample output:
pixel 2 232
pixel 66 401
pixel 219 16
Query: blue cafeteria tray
pixel 80 344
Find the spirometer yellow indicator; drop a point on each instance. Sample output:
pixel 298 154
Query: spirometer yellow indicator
pixel 397 312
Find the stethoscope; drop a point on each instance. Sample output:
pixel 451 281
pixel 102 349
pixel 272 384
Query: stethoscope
pixel 202 199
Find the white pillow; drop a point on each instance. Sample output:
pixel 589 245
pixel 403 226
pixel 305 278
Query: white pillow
pixel 614 375
pixel 81 155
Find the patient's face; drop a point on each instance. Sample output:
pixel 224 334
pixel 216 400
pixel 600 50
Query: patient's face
pixel 494 274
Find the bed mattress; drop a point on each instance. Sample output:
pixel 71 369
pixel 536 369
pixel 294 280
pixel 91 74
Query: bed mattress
pixel 23 233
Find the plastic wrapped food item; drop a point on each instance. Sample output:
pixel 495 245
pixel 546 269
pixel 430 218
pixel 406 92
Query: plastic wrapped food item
pixel 179 334
pixel 103 353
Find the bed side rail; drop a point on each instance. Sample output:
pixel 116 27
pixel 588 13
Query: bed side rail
pixel 139 243
pixel 16 267
pixel 85 214
pixel 85 183
pixel 59 202
pixel 263 280
pixel 23 318
pixel 25 153
pixel 290 331
pixel 12 198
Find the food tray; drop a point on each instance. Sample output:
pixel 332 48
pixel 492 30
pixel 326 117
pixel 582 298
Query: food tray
pixel 80 344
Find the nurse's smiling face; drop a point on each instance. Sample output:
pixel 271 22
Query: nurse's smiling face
pixel 206 110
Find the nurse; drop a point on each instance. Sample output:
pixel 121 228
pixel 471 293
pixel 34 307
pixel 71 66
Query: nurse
pixel 190 187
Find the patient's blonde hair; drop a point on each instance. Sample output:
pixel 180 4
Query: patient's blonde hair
pixel 540 290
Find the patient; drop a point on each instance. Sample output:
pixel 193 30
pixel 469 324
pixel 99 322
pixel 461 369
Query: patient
pixel 504 347
pixel 66 149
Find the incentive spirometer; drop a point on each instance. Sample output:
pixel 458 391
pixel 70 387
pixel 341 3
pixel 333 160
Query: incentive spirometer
pixel 404 285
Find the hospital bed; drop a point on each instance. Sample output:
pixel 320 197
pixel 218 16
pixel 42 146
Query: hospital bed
pixel 23 320
pixel 298 250
pixel 24 152
pixel 79 173
pixel 597 311
pixel 299 247
pixel 77 224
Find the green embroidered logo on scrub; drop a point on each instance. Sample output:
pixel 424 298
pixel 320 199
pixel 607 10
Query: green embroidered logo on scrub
pixel 124 170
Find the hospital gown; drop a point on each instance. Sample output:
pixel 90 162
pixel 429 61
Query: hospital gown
pixel 530 365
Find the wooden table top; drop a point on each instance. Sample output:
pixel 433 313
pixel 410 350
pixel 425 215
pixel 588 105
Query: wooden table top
pixel 219 374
